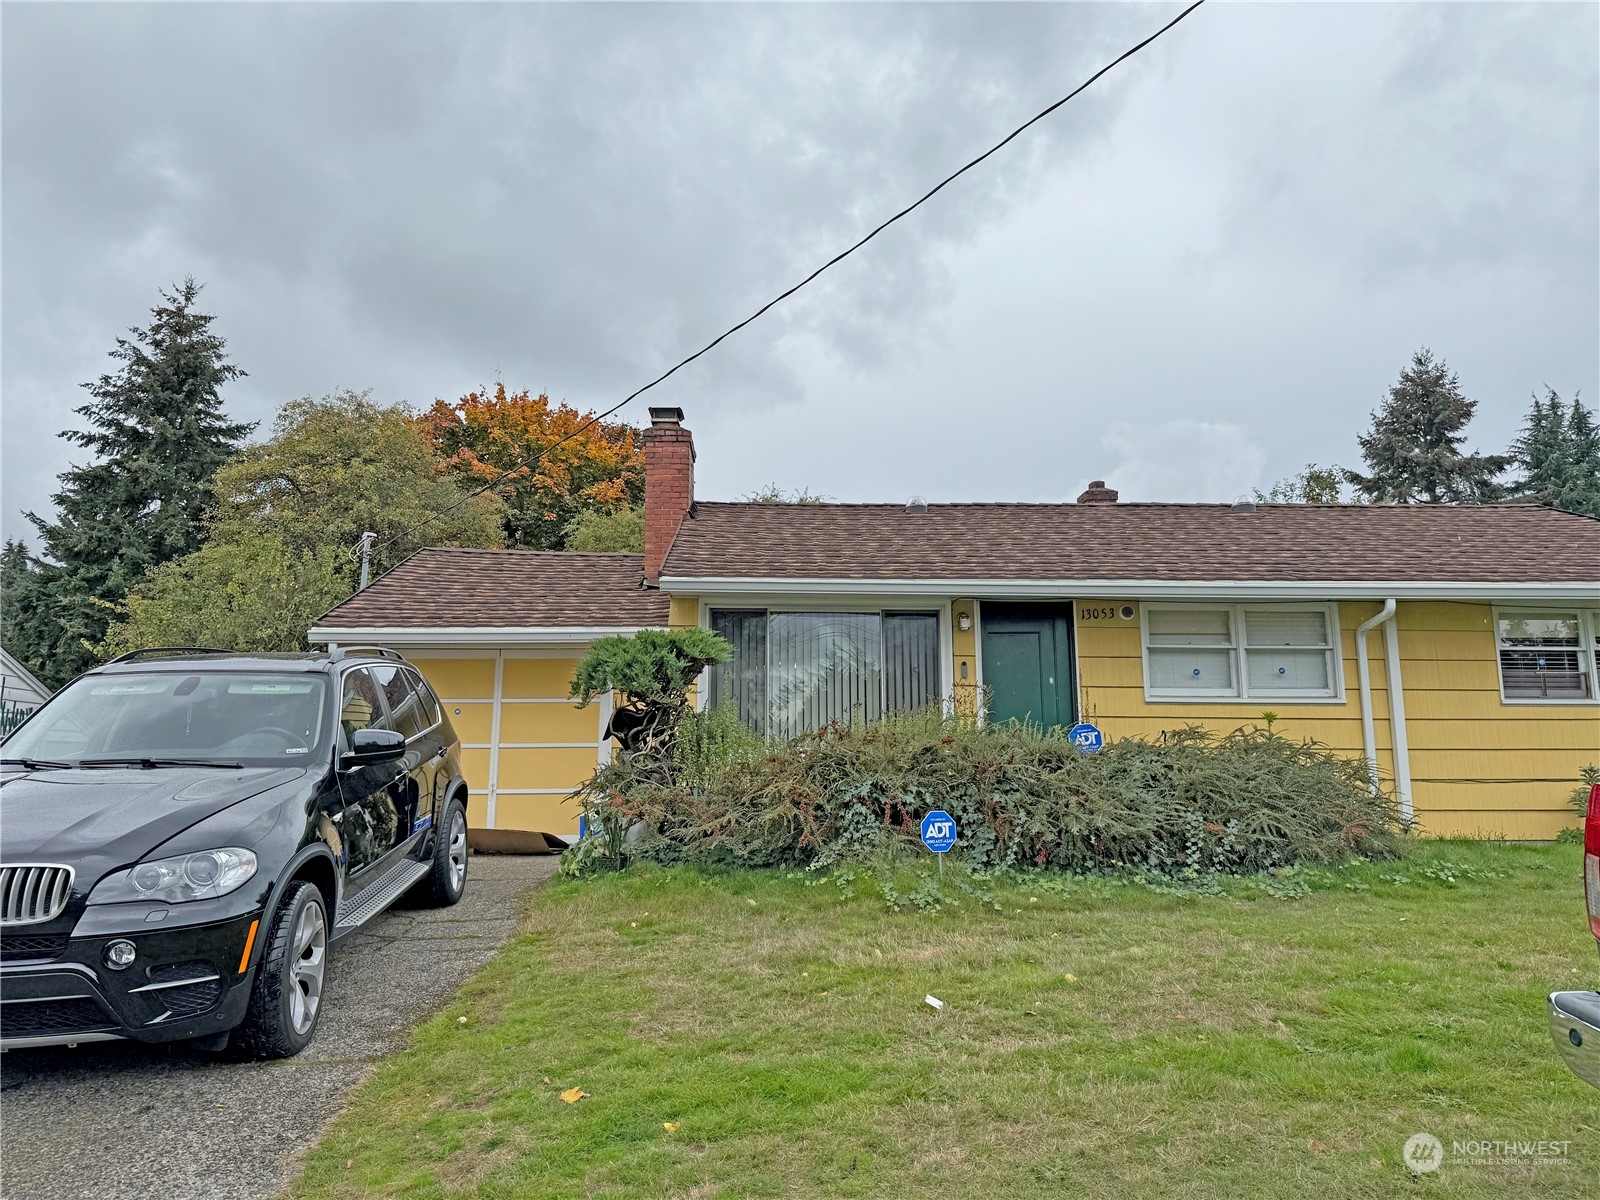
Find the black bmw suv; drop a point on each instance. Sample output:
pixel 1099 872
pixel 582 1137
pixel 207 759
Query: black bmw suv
pixel 185 833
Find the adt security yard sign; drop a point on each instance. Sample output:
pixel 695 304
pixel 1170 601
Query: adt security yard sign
pixel 1086 737
pixel 938 831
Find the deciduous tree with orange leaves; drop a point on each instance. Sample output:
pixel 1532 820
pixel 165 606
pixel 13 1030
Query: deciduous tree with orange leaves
pixel 485 433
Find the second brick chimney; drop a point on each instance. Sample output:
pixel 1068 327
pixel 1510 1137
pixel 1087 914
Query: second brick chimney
pixel 668 486
pixel 1098 493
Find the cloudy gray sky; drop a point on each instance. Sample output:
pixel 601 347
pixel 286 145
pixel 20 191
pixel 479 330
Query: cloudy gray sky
pixel 1190 281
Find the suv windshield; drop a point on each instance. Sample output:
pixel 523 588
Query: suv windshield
pixel 259 718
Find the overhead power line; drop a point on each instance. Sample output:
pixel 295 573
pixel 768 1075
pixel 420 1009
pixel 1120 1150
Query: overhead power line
pixel 532 459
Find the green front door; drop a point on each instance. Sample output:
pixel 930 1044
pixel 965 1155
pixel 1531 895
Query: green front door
pixel 1027 663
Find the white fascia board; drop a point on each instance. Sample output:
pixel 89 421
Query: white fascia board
pixel 473 635
pixel 1132 589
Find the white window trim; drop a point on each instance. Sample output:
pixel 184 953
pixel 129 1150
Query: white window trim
pixel 1238 633
pixel 1588 630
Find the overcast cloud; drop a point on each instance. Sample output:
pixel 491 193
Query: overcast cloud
pixel 1195 278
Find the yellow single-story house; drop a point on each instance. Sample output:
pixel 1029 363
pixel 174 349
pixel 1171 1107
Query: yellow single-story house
pixel 1455 648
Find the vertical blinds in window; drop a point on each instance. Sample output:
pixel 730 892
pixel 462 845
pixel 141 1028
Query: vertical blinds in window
pixel 823 667
pixel 793 673
pixel 742 680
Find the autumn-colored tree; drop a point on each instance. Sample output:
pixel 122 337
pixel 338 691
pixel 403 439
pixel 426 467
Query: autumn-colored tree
pixel 600 469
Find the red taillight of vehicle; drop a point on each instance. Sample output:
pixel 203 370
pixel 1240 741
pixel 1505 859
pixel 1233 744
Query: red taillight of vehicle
pixel 1591 860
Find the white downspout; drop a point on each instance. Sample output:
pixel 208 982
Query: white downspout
pixel 1369 739
pixel 1397 719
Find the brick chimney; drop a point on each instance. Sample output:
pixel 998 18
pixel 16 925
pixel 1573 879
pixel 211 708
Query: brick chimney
pixel 668 486
pixel 1098 493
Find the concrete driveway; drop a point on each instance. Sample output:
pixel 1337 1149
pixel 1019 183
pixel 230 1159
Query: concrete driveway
pixel 121 1119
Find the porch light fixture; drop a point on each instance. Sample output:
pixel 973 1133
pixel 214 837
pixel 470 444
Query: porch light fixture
pixel 964 621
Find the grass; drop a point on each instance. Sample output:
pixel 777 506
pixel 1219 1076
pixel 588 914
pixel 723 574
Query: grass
pixel 1099 1038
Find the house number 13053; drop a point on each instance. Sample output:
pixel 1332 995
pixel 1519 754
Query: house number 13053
pixel 1097 614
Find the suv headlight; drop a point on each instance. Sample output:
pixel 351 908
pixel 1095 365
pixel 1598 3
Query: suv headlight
pixel 201 876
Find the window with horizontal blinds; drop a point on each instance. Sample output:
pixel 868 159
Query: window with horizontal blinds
pixel 1240 651
pixel 1546 655
pixel 1191 650
pixel 792 673
pixel 1287 651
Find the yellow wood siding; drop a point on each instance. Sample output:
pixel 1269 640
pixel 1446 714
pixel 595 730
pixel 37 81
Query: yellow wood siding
pixel 964 658
pixel 1480 766
pixel 683 612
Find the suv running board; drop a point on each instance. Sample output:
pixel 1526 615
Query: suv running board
pixel 376 897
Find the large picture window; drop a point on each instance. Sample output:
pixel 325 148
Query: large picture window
pixel 1547 655
pixel 794 672
pixel 1241 652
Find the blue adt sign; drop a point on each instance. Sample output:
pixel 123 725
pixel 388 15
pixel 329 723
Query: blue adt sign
pixel 938 831
pixel 1086 737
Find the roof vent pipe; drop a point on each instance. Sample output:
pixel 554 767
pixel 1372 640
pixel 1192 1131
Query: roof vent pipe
pixel 916 505
pixel 1244 504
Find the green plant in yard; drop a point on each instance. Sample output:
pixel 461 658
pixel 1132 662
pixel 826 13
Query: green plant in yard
pixel 1590 775
pixel 1189 803
pixel 653 671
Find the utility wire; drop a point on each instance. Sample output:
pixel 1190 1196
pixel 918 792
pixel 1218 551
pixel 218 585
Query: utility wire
pixel 530 460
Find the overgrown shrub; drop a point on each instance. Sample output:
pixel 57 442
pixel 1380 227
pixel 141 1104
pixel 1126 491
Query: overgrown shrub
pixel 1189 801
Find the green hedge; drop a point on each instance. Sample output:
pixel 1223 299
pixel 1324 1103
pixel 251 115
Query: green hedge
pixel 1189 801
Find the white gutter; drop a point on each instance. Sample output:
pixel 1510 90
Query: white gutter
pixel 1369 739
pixel 1152 589
pixel 1397 719
pixel 470 635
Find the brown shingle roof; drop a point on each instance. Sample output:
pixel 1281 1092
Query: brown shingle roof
pixel 1177 542
pixel 437 589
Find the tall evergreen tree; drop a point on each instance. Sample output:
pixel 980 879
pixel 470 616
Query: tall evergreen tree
pixel 26 628
pixel 157 433
pixel 1559 453
pixel 1583 440
pixel 1413 449
pixel 1541 450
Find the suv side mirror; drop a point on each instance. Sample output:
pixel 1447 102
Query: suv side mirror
pixel 372 746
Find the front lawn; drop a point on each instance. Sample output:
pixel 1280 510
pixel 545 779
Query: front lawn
pixel 763 1034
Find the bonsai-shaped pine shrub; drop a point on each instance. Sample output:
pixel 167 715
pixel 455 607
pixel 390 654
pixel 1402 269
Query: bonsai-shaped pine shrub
pixel 652 671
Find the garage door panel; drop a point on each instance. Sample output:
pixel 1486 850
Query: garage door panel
pixel 472 722
pixel 548 723
pixel 537 678
pixel 478 811
pixel 475 768
pixel 545 768
pixel 458 678
pixel 540 814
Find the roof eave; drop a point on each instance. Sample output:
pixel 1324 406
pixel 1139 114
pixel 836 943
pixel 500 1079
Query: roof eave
pixel 1151 589
pixel 472 635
